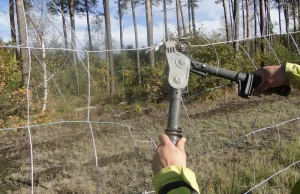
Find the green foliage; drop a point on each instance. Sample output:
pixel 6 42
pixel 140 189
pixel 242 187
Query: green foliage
pixel 153 79
pixel 281 52
pixel 154 82
pixel 155 87
pixel 80 6
pixel 12 95
pixel 221 55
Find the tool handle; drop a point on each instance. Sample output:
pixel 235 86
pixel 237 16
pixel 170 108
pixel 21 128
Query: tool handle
pixel 174 135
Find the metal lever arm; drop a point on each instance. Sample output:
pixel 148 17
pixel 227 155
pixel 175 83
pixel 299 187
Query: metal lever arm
pixel 198 67
pixel 179 71
pixel 247 82
pixel 180 66
pixel 173 130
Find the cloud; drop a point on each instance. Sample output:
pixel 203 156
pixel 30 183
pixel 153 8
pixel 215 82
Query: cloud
pixel 275 20
pixel 158 25
pixel 5 26
pixel 209 10
pixel 208 18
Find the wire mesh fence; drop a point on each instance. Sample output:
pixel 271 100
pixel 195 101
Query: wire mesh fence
pixel 79 145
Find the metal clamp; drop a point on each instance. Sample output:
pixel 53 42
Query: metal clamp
pixel 179 66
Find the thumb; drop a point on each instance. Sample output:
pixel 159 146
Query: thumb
pixel 180 144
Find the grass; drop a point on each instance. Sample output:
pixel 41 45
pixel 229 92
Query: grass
pixel 224 160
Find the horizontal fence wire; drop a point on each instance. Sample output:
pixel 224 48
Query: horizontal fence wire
pixel 130 128
pixel 150 47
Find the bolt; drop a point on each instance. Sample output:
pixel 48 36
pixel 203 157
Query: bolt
pixel 177 79
pixel 182 62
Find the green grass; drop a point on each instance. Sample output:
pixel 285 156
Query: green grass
pixel 64 159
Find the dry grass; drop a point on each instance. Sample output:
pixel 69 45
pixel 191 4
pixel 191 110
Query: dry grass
pixel 223 159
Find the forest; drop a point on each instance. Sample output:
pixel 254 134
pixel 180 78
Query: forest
pixel 83 117
pixel 134 73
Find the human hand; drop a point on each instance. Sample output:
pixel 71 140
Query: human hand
pixel 167 154
pixel 271 76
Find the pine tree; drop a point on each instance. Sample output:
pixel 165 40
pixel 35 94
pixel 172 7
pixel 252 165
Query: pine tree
pixel 112 86
pixel 149 21
pixel 22 31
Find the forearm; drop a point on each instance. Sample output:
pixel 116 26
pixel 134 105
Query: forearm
pixel 177 175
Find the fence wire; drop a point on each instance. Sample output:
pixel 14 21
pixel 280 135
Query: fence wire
pixel 142 139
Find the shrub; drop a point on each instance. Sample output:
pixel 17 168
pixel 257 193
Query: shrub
pixel 12 95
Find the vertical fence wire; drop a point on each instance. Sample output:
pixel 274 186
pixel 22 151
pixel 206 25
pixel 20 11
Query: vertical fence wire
pixel 90 125
pixel 28 103
pixel 28 125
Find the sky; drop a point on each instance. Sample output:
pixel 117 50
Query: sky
pixel 209 17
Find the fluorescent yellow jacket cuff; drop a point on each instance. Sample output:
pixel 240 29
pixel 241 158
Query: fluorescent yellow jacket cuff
pixel 292 74
pixel 172 174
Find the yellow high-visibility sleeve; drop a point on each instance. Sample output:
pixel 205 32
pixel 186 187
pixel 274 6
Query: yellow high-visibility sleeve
pixel 173 174
pixel 292 74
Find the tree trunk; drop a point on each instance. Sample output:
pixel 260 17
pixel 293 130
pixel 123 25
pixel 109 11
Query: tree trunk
pixel 236 19
pixel 298 15
pixel 45 75
pixel 148 7
pixel 73 36
pixel 72 19
pixel 189 13
pixel 182 18
pixel 226 19
pixel 13 26
pixel 165 19
pixel 286 16
pixel 193 16
pixel 178 18
pixel 137 41
pixel 262 28
pixel 88 24
pixel 109 46
pixel 247 18
pixel 40 32
pixel 120 23
pixel 107 64
pixel 270 25
pixel 255 24
pixel 243 19
pixel 279 16
pixel 22 31
pixel 294 15
pixel 64 23
pixel 287 20
pixel 230 18
pixel 12 21
pixel 266 13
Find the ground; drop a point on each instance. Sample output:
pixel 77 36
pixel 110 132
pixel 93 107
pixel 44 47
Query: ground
pixel 224 158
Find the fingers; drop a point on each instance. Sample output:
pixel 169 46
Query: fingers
pixel 271 76
pixel 163 139
pixel 180 144
pixel 263 86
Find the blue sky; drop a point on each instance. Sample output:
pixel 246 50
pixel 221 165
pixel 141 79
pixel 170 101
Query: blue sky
pixel 208 16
